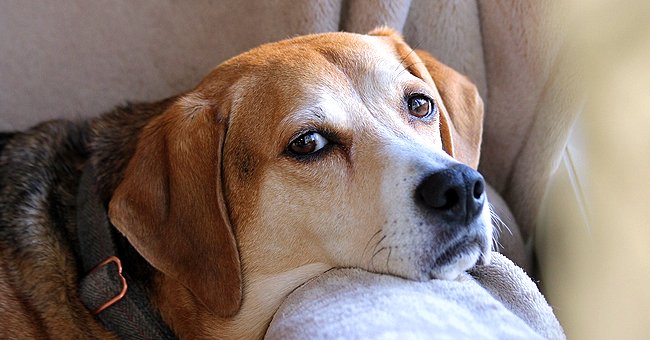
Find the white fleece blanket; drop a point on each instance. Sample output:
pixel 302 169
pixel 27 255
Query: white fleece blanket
pixel 498 301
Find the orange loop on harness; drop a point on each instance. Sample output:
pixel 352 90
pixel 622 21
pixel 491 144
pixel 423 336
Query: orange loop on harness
pixel 120 295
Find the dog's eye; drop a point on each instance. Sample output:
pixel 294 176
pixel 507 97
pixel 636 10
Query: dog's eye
pixel 421 106
pixel 308 143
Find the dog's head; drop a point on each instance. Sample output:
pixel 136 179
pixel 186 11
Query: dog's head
pixel 338 148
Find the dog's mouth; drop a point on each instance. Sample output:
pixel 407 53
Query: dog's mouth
pixel 456 258
pixel 456 249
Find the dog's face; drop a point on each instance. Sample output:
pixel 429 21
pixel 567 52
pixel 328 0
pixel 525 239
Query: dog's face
pixel 332 149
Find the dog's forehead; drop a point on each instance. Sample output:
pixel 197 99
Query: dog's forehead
pixel 297 74
pixel 308 61
pixel 347 51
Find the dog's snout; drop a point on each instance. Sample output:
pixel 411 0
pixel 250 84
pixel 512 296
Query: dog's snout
pixel 457 193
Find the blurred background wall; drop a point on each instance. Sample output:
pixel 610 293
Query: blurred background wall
pixel 593 238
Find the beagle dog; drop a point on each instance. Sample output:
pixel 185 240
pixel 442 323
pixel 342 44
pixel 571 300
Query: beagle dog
pixel 321 151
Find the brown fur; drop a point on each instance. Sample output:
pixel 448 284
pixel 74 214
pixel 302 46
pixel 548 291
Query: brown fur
pixel 182 181
pixel 38 176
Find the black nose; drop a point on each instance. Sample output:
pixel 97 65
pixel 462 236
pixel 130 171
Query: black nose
pixel 457 193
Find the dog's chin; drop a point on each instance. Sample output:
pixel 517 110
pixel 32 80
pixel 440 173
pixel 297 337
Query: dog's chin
pixel 459 265
pixel 456 260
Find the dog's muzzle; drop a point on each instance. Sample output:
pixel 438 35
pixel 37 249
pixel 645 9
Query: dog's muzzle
pixel 455 194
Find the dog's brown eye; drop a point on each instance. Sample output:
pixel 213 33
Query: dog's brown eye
pixel 420 106
pixel 308 143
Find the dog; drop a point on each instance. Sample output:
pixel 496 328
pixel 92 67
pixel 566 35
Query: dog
pixel 321 151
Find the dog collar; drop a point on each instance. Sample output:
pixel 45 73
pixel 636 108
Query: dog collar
pixel 118 301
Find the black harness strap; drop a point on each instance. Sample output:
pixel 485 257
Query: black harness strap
pixel 118 301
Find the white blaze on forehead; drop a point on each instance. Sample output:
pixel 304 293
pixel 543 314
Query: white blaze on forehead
pixel 238 91
pixel 323 107
pixel 386 66
pixel 333 108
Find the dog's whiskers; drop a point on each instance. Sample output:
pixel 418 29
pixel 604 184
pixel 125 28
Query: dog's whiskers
pixel 406 68
pixel 497 221
pixel 499 225
pixel 368 243
pixel 378 242
pixel 496 243
pixel 401 62
pixel 403 59
pixel 482 254
pixel 415 46
pixel 379 251
pixel 390 251
pixel 371 262
pixel 375 254
pixel 495 239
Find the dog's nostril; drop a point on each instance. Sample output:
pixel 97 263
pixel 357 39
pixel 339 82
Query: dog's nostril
pixel 451 199
pixel 479 188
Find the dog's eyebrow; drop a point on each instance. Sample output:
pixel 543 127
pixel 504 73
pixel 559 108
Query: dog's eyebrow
pixel 304 119
pixel 326 110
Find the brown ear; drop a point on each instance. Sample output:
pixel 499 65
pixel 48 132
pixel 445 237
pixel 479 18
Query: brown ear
pixel 464 107
pixel 170 205
pixel 461 114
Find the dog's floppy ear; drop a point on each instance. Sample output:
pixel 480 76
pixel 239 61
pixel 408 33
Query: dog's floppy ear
pixel 464 106
pixel 461 114
pixel 170 204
